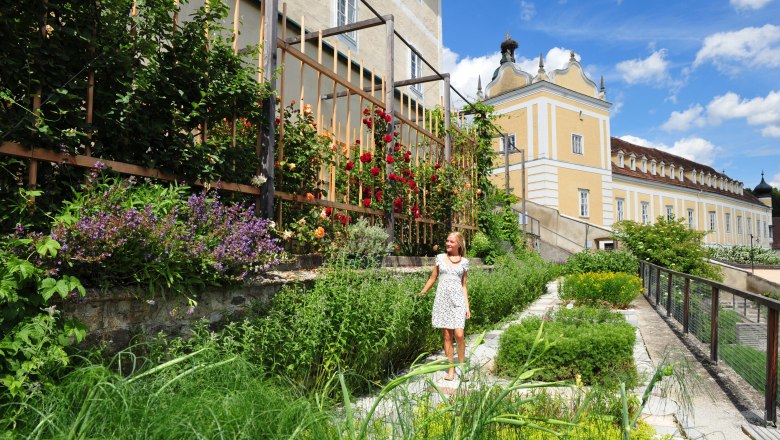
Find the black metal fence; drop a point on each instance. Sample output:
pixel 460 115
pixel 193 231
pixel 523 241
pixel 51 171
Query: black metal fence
pixel 740 328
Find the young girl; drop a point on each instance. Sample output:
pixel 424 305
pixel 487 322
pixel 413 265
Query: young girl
pixel 451 305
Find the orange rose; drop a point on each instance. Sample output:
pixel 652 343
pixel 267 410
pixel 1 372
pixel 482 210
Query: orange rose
pixel 319 232
pixel 309 196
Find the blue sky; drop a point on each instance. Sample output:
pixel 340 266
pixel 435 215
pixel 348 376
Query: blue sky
pixel 700 79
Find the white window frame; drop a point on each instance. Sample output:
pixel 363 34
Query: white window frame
pixel 713 223
pixel 728 222
pixel 739 224
pixel 512 144
pixel 671 171
pixel 620 207
pixel 669 212
pixel 621 162
pixel 415 71
pixel 575 145
pixel 693 176
pixel 644 165
pixel 348 15
pixel 632 163
pixel 584 198
pixel 653 168
pixel 682 175
pixel 690 218
pixel 645 213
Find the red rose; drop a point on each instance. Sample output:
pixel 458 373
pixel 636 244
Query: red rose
pixel 397 147
pixel 369 124
pixel 390 159
pixel 379 195
pixel 388 138
pixel 388 118
pixel 375 171
pixel 437 166
pixel 349 219
pixel 277 121
pixel 395 133
pixel 416 190
pixel 357 142
pixel 380 112
pixel 412 184
pixel 366 111
pixel 391 176
pixel 349 165
pixel 366 202
pixel 365 157
pixel 411 175
pixel 328 211
pixel 433 178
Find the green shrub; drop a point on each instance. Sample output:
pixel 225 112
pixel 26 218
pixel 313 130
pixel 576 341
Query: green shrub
pixel 512 284
pixel 745 254
pixel 668 243
pixel 602 261
pixel 615 288
pixel 597 352
pixel 480 246
pixel 363 243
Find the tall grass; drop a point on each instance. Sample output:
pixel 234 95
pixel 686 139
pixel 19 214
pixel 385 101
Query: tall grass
pixel 197 398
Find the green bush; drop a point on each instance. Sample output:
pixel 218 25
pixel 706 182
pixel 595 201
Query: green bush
pixel 512 284
pixel 602 261
pixel 363 246
pixel 480 246
pixel 614 288
pixel 596 352
pixel 745 254
pixel 668 243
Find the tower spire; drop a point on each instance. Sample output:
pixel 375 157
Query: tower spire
pixel 480 95
pixel 602 90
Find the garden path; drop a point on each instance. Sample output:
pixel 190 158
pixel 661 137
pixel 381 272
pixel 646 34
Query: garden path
pixel 713 415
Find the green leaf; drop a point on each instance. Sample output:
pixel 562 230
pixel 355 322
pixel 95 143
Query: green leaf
pixel 47 288
pixel 49 246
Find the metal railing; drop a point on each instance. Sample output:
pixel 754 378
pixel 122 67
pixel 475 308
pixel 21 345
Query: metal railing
pixel 740 328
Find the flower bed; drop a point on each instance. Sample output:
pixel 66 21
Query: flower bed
pixel 614 289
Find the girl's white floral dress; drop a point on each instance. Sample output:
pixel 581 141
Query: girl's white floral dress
pixel 449 305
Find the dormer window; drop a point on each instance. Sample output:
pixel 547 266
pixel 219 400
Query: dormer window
pixel 671 171
pixel 620 159
pixel 662 172
pixel 652 167
pixel 693 176
pixel 709 179
pixel 644 164
pixel 632 162
pixel 701 177
pixel 682 175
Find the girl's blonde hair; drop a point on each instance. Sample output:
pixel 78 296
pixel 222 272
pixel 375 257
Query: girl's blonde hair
pixel 461 242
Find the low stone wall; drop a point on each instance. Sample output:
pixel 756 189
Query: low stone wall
pixel 114 317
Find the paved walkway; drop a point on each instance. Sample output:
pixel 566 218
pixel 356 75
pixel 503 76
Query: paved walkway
pixel 713 415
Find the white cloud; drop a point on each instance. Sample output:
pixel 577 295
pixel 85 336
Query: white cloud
pixel 682 121
pixel 465 71
pixel 748 4
pixel 756 111
pixel 691 148
pixel 527 10
pixel 651 70
pixel 771 131
pixel 750 47
pixel 775 181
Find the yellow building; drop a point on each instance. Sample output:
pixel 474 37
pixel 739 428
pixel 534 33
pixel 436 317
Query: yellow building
pixel 561 120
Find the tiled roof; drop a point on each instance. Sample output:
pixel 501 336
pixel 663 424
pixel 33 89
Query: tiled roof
pixel 677 161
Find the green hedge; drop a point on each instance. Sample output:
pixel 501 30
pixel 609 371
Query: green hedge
pixel 613 288
pixel 597 346
pixel 602 261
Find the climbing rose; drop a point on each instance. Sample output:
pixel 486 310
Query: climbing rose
pixel 375 171
pixel 388 138
pixel 349 165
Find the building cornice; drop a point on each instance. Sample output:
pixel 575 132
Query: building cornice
pixel 545 86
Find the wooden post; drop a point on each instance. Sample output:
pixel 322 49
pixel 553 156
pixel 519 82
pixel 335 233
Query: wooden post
pixel 266 144
pixel 714 325
pixel 686 305
pixel 389 97
pixel 669 296
pixel 770 396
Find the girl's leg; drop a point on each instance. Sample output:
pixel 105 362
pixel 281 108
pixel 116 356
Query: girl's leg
pixel 461 341
pixel 449 351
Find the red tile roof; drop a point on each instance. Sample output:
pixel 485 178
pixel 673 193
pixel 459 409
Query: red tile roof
pixel 677 161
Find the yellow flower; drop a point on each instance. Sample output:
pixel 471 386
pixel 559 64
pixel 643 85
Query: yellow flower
pixel 319 232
